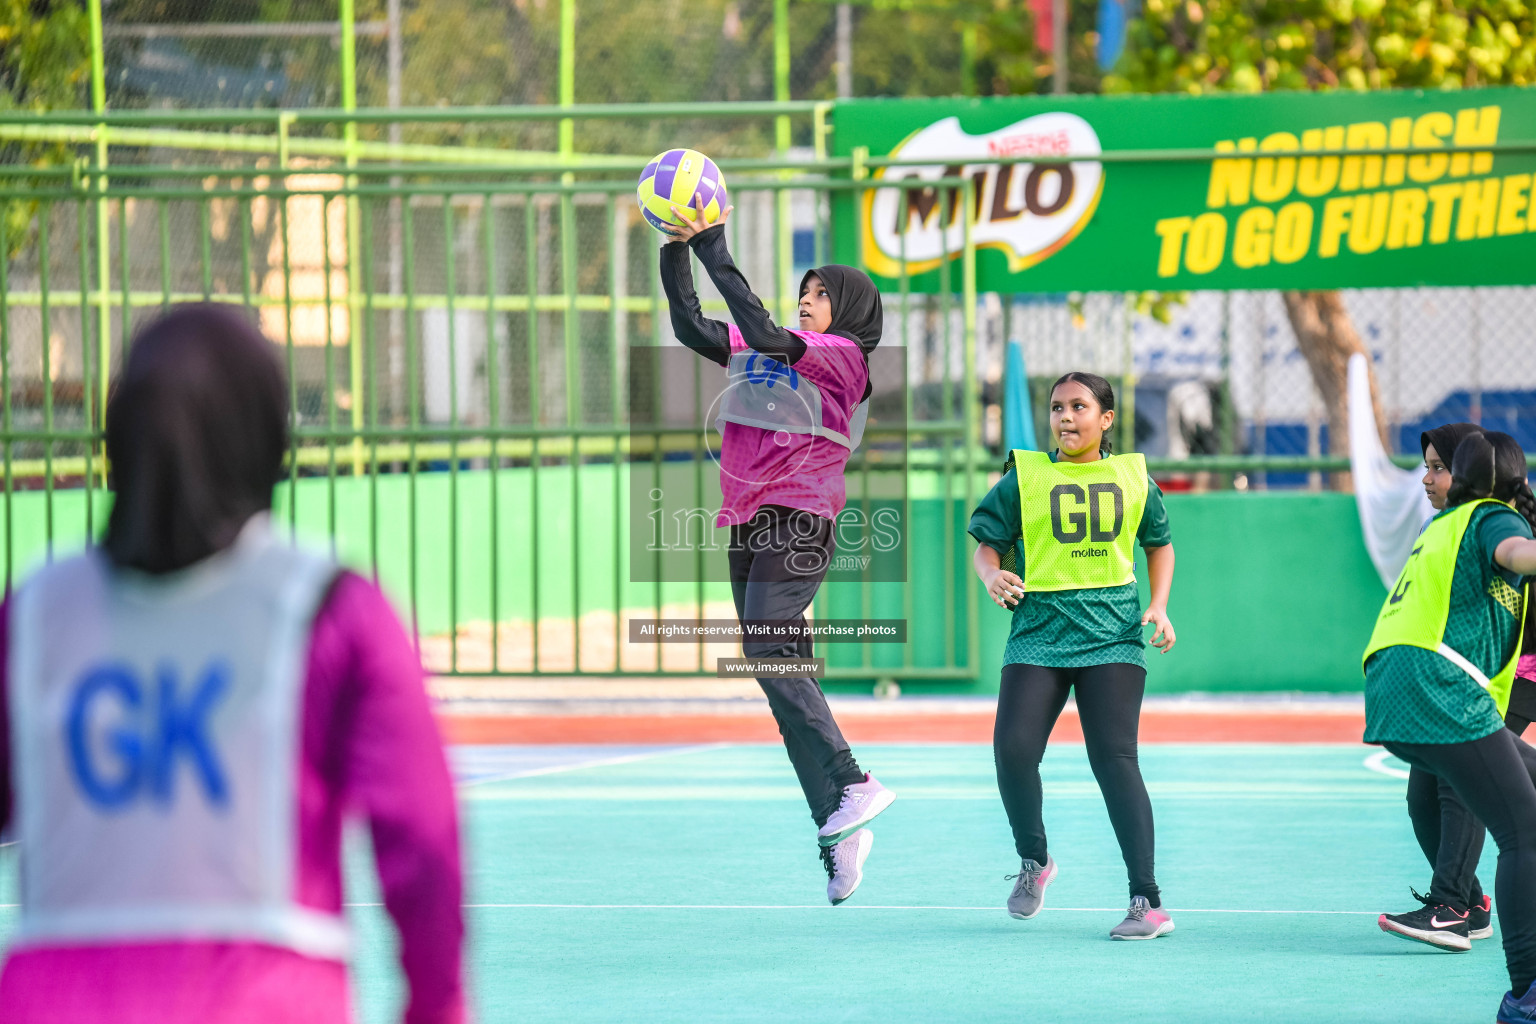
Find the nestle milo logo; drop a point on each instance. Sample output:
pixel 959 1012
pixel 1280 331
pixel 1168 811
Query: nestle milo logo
pixel 1027 211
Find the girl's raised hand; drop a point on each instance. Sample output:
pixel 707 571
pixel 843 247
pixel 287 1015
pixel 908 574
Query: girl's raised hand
pixel 692 226
pixel 1005 589
pixel 1163 637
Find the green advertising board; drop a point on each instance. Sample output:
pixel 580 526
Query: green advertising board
pixel 1324 201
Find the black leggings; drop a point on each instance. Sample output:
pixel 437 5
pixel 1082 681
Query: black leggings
pixel 1109 705
pixel 778 560
pixel 1492 777
pixel 1449 834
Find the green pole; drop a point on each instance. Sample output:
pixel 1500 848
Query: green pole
pixel 781 65
pixel 782 142
pixel 1226 424
pixel 1128 379
pixel 968 59
pixel 567 75
pixel 971 435
pixel 354 222
pixel 103 260
pixel 349 72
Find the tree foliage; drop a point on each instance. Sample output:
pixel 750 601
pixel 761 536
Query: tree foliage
pixel 1247 46
pixel 45 64
pixel 45 55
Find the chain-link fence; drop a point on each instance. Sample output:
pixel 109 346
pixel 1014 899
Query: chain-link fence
pixel 460 344
pixel 1225 376
pixel 460 363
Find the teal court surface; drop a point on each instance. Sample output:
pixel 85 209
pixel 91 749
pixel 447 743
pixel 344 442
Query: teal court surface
pixel 610 884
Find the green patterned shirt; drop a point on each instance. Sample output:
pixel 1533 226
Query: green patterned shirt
pixel 1413 695
pixel 1068 628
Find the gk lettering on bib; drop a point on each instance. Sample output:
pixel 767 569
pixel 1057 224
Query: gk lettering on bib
pixel 1080 520
pixel 157 725
pixel 156 728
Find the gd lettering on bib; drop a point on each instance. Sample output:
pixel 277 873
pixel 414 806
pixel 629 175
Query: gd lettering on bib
pixel 1080 520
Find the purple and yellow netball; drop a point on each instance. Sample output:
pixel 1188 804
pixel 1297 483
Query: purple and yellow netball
pixel 675 178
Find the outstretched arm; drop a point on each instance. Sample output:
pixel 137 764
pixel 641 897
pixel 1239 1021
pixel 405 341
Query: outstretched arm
pixel 753 320
pixel 1517 554
pixel 709 338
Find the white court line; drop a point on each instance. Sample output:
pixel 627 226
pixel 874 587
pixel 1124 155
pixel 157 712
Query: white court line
pixel 1377 762
pixel 823 906
pixel 601 762
pixel 530 773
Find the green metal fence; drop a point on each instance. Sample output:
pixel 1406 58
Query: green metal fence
pixel 457 325
pixel 457 351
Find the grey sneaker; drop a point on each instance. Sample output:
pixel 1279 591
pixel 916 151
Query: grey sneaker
pixel 1142 922
pixel 861 802
pixel 845 864
pixel 1029 890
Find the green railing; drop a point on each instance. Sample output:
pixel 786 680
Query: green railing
pixel 490 499
pixel 457 327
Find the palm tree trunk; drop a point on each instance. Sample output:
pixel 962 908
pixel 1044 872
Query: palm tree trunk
pixel 1327 338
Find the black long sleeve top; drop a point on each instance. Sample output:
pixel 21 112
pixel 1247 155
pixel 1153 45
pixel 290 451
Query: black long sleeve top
pixel 711 338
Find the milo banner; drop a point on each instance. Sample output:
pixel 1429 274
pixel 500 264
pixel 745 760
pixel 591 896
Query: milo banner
pixel 1277 218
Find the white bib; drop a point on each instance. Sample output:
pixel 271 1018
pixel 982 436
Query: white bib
pixel 155 729
pixel 763 392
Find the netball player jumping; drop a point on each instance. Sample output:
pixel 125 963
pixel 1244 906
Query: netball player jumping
pixel 781 482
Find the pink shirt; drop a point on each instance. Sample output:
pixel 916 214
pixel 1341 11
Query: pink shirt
pixel 370 745
pixel 765 467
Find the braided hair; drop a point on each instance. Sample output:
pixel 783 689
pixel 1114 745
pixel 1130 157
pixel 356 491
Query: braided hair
pixel 1511 485
pixel 1473 471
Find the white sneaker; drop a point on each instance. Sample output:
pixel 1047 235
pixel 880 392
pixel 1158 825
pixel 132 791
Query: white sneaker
pixel 861 802
pixel 845 864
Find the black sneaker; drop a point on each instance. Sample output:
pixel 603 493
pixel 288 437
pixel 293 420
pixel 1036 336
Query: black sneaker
pixel 1433 923
pixel 1480 919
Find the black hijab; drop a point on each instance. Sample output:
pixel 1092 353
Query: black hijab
pixel 856 311
pixel 1446 438
pixel 197 424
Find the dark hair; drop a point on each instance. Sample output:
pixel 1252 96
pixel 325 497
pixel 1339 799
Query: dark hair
pixel 1510 482
pixel 1102 393
pixel 1510 485
pixel 197 424
pixel 1472 471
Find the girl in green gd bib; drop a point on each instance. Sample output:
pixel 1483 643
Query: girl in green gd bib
pixel 1438 672
pixel 1056 543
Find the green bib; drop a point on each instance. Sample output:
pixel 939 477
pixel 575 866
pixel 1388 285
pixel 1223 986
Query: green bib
pixel 1415 613
pixel 1080 520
